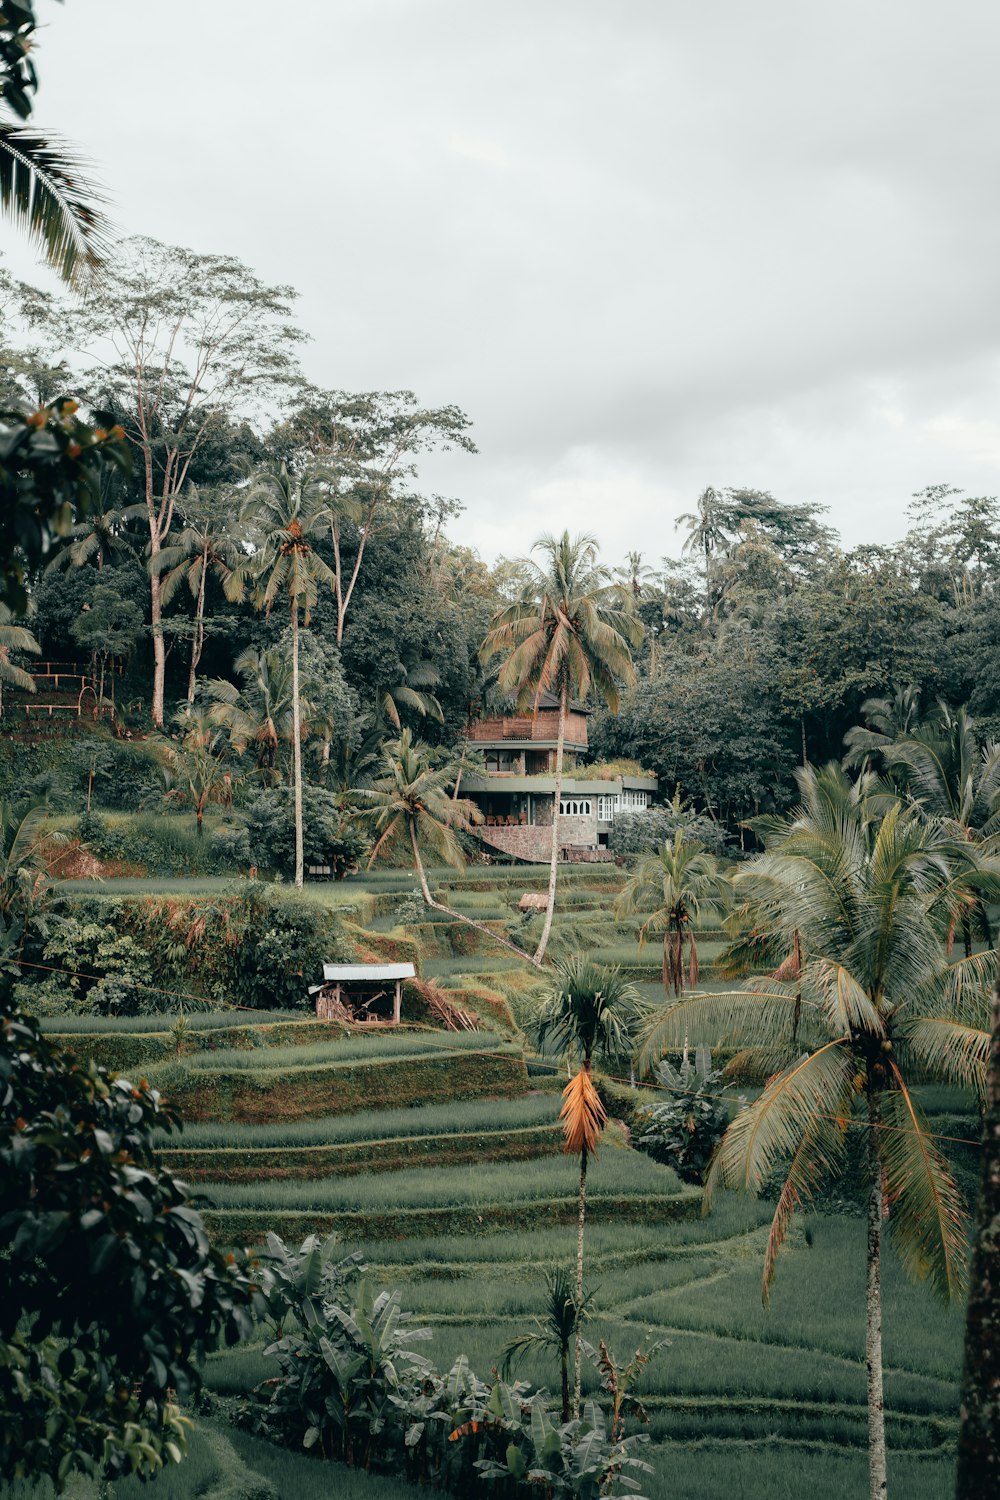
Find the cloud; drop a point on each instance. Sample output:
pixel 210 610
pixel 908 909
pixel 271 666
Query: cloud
pixel 475 148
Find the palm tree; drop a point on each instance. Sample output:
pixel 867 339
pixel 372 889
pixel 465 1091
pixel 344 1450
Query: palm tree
pixel 410 803
pixel 197 770
pixel 886 720
pixel 954 779
pixel 14 638
pixel 865 881
pixel 553 1331
pixel 102 533
pixel 570 632
pixel 257 716
pixel 634 573
pixel 709 532
pixel 588 1011
pixel 292 515
pixel 680 887
pixel 211 541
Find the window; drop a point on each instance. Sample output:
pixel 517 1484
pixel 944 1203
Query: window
pixel 575 807
pixel 606 808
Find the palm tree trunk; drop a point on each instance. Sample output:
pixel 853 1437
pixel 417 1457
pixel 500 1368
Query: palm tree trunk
pixel 979 1433
pixel 456 916
pixel 581 1218
pixel 198 640
pixel 297 746
pixel 873 1335
pixel 550 907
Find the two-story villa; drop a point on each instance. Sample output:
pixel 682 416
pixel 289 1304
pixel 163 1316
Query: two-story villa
pixel 517 793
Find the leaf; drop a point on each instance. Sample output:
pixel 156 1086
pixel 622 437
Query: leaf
pixel 773 1126
pixel 583 1115
pixel 927 1218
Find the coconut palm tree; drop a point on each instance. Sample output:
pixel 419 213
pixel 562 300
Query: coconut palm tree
pixel 212 540
pixel 292 515
pixel 955 779
pixel 197 770
pixel 257 715
pixel 14 638
pixel 679 887
pixel 885 720
pixel 553 1331
pixel 570 633
pixel 588 1011
pixel 709 531
pixel 866 882
pixel 410 804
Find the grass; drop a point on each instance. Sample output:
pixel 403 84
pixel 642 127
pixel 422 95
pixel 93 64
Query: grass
pixel 375 1125
pixel 613 1174
pixel 351 1048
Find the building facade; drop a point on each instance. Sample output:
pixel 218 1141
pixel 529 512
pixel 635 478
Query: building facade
pixel 516 796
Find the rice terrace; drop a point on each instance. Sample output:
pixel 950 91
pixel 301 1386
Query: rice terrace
pixel 499 986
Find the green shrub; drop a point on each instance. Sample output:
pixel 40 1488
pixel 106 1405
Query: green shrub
pixel 684 1128
pixel 330 836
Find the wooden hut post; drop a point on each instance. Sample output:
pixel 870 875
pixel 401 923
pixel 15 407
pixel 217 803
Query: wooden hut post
pixel 397 1002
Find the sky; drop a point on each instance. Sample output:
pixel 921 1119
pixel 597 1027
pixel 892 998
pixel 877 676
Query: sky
pixel 647 245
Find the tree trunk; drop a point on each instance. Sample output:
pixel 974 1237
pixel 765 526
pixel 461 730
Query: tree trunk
pixel 199 815
pixel 979 1430
pixel 805 752
pixel 198 639
pixel 550 907
pixel 297 746
pixel 564 1373
pixel 581 1217
pixel 873 1334
pixel 159 646
pixel 456 916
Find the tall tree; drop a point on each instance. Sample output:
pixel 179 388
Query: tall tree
pixel 197 771
pixel 175 340
pixel 858 884
pixel 588 1011
pixel 367 443
pixel 570 633
pixel 292 515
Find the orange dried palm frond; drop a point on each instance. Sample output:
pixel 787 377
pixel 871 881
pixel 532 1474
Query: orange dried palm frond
pixel 582 1114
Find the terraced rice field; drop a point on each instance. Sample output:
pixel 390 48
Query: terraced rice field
pixel 436 1155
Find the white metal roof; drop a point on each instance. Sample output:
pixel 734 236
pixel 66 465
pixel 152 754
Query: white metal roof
pixel 337 973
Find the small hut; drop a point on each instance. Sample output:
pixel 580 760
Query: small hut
pixel 361 992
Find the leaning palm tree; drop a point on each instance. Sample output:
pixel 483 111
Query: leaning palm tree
pixel 14 638
pixel 212 540
pixel 588 1011
pixel 409 804
pixel 570 633
pixel 865 882
pixel 292 515
pixel 679 887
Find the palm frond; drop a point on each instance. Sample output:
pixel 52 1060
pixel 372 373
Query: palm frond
pixel 746 1017
pixel 44 187
pixel 582 1114
pixel 772 1128
pixel 926 1213
pixel 943 1048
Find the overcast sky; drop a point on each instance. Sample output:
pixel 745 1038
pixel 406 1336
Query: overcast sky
pixel 648 245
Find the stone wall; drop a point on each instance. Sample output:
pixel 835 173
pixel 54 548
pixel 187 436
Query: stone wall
pixel 533 841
